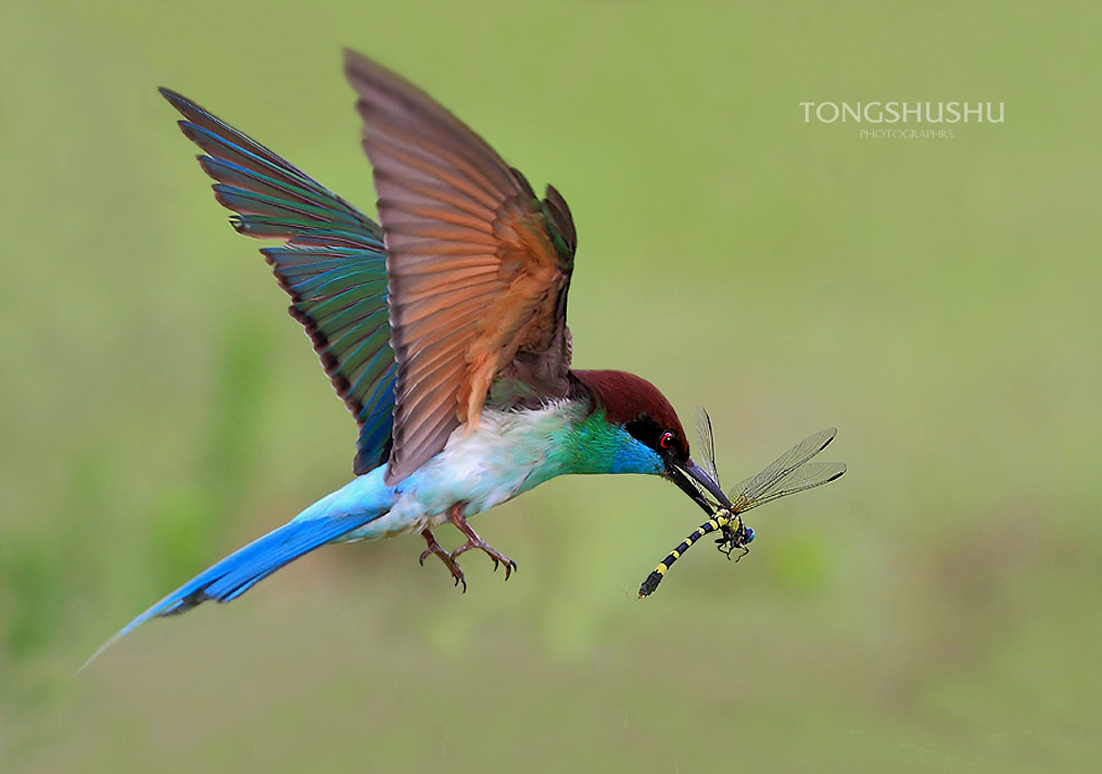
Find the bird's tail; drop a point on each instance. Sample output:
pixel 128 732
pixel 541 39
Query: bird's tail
pixel 241 570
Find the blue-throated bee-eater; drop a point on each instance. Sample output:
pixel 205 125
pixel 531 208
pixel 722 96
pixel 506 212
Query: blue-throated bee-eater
pixel 443 329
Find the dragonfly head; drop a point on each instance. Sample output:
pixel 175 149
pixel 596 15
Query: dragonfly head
pixel 747 535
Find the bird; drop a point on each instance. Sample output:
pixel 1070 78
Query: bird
pixel 443 329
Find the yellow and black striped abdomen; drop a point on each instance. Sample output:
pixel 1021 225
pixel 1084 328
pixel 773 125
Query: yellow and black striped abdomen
pixel 651 583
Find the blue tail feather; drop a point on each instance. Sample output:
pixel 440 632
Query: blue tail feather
pixel 241 570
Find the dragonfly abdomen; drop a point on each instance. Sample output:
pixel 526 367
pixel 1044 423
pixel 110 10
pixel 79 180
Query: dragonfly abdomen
pixel 652 581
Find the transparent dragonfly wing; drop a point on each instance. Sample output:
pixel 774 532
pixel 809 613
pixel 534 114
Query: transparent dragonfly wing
pixel 706 453
pixel 807 476
pixel 705 442
pixel 783 476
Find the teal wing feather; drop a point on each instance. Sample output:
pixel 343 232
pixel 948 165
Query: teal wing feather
pixel 332 264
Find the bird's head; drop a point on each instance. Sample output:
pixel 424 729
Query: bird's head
pixel 657 442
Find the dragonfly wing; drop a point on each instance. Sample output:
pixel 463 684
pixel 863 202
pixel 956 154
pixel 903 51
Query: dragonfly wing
pixel 752 491
pixel 801 479
pixel 706 441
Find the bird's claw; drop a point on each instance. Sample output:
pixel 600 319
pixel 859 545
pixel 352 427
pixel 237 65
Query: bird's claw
pixel 490 551
pixel 474 541
pixel 435 549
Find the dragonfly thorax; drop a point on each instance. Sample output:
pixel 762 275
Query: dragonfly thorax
pixel 733 537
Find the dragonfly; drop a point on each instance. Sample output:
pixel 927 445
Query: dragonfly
pixel 789 474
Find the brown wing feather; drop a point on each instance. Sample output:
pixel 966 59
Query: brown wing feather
pixel 475 275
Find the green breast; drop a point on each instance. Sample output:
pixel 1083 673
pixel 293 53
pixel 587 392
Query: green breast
pixel 590 444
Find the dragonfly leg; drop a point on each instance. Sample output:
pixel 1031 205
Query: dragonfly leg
pixel 732 539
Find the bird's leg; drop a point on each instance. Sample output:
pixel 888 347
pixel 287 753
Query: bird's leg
pixel 474 541
pixel 445 557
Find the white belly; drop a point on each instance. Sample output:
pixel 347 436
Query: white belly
pixel 508 454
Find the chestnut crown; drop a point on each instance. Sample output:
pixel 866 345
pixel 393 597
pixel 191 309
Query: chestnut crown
pixel 637 405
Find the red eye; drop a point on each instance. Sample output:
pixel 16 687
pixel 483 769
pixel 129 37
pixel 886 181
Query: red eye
pixel 666 441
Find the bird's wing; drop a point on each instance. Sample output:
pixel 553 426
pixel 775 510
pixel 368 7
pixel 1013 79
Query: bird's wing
pixel 331 263
pixel 478 266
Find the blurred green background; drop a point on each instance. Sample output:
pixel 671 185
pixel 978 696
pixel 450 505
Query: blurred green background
pixel 938 609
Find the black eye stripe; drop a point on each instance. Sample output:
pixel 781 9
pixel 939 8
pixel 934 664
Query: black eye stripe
pixel 644 429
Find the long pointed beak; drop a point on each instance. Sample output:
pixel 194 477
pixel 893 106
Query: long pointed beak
pixel 690 472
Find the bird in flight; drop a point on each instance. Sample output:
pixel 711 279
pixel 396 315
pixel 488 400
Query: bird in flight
pixel 443 329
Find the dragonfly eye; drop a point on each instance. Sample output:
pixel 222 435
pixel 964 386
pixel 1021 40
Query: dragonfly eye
pixel 748 535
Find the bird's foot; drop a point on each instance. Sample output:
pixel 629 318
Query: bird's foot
pixel 445 557
pixel 474 541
